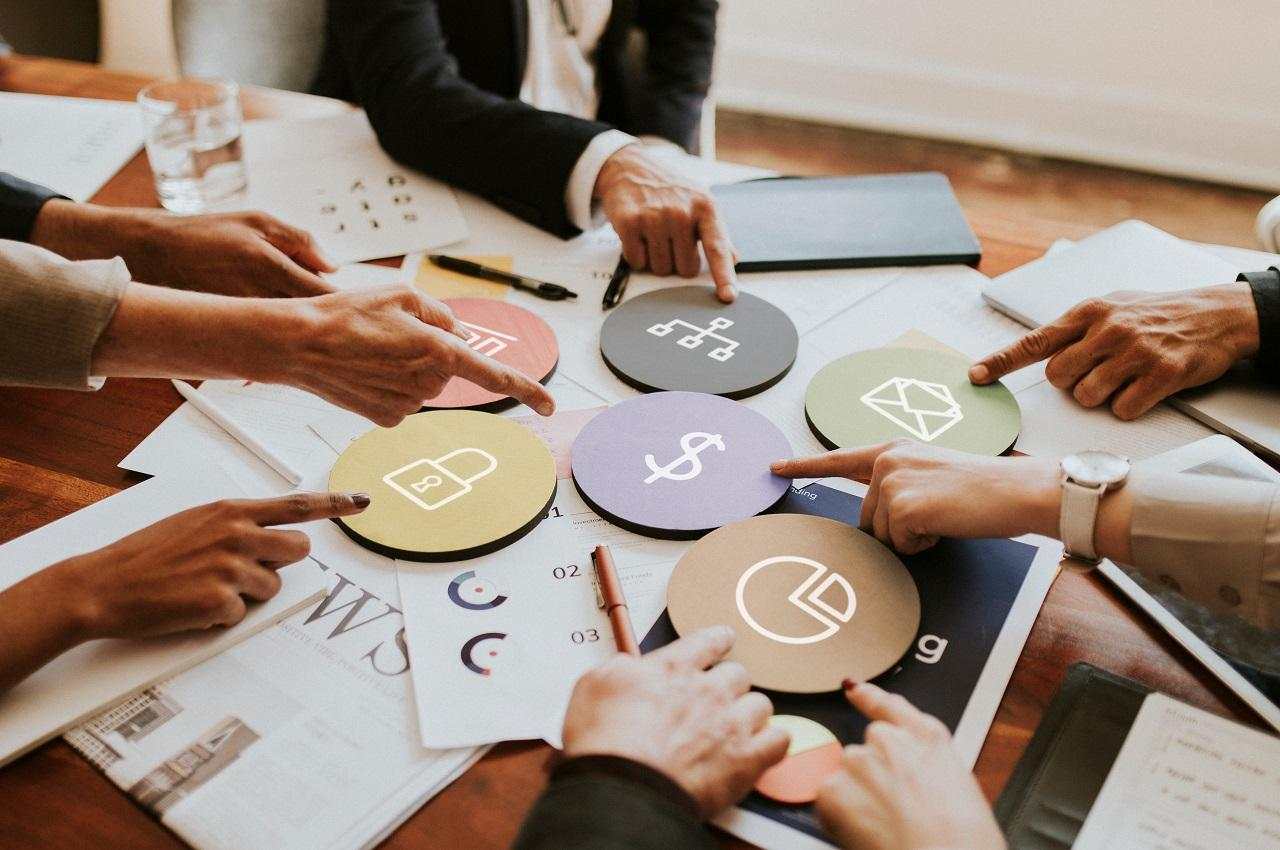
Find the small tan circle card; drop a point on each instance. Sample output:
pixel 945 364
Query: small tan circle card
pixel 813 601
pixel 446 485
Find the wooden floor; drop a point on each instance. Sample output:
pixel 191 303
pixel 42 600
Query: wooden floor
pixel 992 180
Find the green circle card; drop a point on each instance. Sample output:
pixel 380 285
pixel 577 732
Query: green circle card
pixel 889 393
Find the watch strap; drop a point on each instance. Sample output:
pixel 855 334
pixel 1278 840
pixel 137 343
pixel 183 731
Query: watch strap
pixel 1078 518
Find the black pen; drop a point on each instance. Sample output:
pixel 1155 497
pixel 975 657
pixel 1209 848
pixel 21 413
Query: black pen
pixel 542 289
pixel 617 284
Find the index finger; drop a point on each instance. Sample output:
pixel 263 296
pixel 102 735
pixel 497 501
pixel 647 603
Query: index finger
pixel 501 378
pixel 1030 348
pixel 720 253
pixel 303 507
pixel 846 463
pixel 699 650
pixel 877 704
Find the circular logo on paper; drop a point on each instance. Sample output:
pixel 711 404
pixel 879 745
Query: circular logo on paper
pixel 923 395
pixel 446 485
pixel 684 338
pixel 470 591
pixel 485 653
pixel 812 600
pixel 506 333
pixel 678 464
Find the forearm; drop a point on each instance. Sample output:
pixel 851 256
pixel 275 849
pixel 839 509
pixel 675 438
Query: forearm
pixel 605 802
pixel 38 622
pixel 160 332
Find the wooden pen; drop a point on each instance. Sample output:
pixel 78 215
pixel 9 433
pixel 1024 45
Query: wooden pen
pixel 610 597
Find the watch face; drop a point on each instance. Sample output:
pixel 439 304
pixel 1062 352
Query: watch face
pixel 1096 468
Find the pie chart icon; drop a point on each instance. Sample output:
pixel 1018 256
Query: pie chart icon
pixel 814 755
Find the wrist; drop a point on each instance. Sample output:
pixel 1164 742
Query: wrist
pixel 616 169
pixel 76 613
pixel 1242 330
pixel 1041 496
pixel 87 231
pixel 270 337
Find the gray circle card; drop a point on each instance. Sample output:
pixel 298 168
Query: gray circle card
pixel 684 339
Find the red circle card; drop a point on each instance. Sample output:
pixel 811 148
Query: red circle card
pixel 508 334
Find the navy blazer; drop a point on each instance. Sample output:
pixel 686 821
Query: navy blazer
pixel 440 80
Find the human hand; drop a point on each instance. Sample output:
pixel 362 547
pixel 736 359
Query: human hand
pixel 244 254
pixel 905 788
pixel 1136 349
pixel 192 570
pixel 681 710
pixel 920 493
pixel 661 217
pixel 380 352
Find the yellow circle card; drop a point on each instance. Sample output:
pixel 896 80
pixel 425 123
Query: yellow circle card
pixel 812 600
pixel 446 485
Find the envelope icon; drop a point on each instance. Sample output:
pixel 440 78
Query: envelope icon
pixel 923 409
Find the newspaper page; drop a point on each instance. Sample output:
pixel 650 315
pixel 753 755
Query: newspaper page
pixel 296 738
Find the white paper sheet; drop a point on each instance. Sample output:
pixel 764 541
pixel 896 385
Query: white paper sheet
pixel 92 676
pixel 70 144
pixel 505 671
pixel 330 177
pixel 1189 779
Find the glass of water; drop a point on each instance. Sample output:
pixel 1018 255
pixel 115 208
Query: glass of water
pixel 193 142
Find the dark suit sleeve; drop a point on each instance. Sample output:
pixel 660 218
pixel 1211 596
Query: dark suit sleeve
pixel 427 116
pixel 1266 297
pixel 610 803
pixel 20 203
pixel 681 38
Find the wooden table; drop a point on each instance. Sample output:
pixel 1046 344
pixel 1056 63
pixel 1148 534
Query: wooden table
pixel 58 453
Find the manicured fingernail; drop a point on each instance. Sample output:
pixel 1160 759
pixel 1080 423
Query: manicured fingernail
pixel 848 684
pixel 778 465
pixel 546 408
pixel 979 374
pixel 360 500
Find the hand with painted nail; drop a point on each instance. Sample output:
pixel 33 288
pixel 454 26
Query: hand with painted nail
pixel 195 570
pixel 682 710
pixel 1133 350
pixel 905 787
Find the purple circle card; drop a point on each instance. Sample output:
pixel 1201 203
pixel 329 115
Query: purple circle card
pixel 679 464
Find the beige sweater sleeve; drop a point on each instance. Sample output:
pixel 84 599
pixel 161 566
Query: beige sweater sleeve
pixel 1215 540
pixel 53 311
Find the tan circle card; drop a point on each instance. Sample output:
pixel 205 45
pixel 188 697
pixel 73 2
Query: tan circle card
pixel 446 485
pixel 813 601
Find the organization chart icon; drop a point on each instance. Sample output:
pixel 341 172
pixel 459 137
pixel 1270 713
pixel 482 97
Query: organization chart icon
pixel 697 335
pixel 924 409
pixel 430 484
pixel 683 339
pixel 809 599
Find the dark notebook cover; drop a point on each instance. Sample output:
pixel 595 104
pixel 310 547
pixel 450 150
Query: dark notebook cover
pixel 789 223
pixel 1049 795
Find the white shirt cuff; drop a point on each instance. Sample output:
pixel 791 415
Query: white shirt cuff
pixel 582 181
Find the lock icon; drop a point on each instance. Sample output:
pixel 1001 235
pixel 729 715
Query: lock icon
pixel 430 485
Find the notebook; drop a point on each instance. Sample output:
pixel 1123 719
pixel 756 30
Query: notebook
pixel 1113 765
pixel 1135 256
pixel 790 223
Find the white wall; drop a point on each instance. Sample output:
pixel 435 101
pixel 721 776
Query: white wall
pixel 1187 87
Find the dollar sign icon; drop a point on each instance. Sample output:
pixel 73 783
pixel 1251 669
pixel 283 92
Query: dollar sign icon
pixel 693 444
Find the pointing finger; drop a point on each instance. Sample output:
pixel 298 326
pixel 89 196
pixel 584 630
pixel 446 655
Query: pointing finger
pixel 501 378
pixel 846 463
pixel 1030 348
pixel 699 650
pixel 720 254
pixel 303 507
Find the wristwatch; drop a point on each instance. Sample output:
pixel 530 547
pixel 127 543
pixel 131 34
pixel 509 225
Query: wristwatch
pixel 1085 478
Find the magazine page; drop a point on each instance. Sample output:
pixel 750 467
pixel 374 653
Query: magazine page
pixel 296 737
